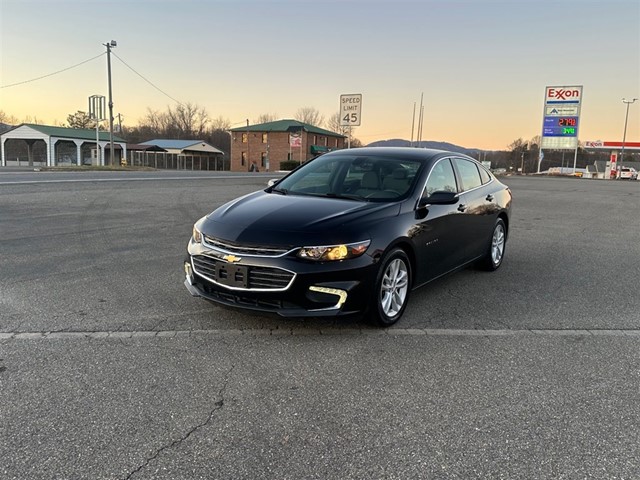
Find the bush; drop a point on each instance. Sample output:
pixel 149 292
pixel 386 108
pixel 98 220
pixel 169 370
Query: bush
pixel 289 165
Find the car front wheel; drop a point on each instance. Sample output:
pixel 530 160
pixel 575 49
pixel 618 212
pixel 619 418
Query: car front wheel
pixel 393 283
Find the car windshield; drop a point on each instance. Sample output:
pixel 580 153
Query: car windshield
pixel 357 177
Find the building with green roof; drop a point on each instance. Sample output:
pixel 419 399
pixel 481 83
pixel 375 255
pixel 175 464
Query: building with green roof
pixel 267 145
pixel 64 146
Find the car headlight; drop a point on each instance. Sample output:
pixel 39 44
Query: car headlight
pixel 196 235
pixel 334 252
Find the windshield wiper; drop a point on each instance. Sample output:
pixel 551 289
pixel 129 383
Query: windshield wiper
pixel 281 191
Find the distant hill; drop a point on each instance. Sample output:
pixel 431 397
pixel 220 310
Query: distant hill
pixel 397 142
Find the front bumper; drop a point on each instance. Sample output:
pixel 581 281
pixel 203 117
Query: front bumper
pixel 309 289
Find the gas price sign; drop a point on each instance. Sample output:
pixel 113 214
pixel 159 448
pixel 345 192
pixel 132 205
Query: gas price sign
pixel 560 126
pixel 561 117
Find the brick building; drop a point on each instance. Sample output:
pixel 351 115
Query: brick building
pixel 269 144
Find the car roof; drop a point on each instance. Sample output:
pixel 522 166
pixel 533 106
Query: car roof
pixel 407 153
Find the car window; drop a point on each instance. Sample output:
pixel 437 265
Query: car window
pixel 441 178
pixel 316 180
pixel 469 175
pixel 376 178
pixel 484 175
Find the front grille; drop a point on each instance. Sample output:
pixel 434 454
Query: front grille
pixel 243 249
pixel 242 277
pixel 248 302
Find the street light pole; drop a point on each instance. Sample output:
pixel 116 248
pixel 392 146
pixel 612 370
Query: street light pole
pixel 109 46
pixel 624 135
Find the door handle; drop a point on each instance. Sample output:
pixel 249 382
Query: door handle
pixel 489 198
pixel 462 207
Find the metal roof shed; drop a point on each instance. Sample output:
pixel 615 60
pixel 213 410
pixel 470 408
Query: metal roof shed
pixel 184 146
pixel 52 136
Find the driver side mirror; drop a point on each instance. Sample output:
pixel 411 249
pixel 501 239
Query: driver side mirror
pixel 440 198
pixel 272 182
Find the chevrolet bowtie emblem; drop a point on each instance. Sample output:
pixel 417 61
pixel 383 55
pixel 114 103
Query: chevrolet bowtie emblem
pixel 231 258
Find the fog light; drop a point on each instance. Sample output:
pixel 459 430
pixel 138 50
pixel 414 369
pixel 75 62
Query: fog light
pixel 341 294
pixel 188 271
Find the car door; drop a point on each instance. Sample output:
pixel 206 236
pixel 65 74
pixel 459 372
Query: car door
pixel 437 243
pixel 477 204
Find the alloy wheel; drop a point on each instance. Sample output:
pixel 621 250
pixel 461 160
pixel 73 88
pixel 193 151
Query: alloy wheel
pixel 394 287
pixel 497 244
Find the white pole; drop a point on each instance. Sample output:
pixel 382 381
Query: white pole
pixel 413 122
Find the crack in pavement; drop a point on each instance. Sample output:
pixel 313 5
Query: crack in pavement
pixel 217 406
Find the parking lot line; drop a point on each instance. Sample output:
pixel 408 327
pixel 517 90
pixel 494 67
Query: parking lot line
pixel 120 334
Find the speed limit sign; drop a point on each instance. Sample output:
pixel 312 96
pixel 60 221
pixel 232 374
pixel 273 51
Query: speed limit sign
pixel 350 109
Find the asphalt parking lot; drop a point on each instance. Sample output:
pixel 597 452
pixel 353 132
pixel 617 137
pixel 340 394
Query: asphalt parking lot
pixel 110 369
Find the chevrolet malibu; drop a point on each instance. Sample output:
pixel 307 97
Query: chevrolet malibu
pixel 350 232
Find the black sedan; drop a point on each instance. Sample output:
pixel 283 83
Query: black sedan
pixel 350 232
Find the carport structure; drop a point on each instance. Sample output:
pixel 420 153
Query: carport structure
pixel 63 146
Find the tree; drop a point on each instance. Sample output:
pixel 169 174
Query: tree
pixel 34 120
pixel 186 121
pixel 535 142
pixel 155 121
pixel 266 118
pixel 221 139
pixel 355 142
pixel 333 124
pixel 310 115
pixel 189 120
pixel 8 119
pixel 518 145
pixel 80 119
pixel 220 123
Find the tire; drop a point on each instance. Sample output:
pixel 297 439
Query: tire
pixel 392 288
pixel 495 251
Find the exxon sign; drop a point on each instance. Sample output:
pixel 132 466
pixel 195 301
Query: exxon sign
pixel 563 94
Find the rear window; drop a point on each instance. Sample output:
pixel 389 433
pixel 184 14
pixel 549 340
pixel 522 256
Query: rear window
pixel 469 174
pixel 484 176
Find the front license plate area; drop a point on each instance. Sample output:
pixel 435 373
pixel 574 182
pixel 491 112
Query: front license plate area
pixel 232 275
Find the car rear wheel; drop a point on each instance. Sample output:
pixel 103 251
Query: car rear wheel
pixel 495 253
pixel 392 288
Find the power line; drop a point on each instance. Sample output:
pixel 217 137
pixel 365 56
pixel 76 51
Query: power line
pixel 50 74
pixel 142 77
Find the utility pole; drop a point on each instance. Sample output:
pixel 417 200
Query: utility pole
pixel 96 112
pixel 109 46
pixel 624 135
pixel 120 123
pixel 248 148
pixel 413 122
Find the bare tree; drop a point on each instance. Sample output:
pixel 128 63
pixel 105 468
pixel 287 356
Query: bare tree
pixel 310 115
pixel 155 122
pixel 535 142
pixel 333 124
pixel 189 120
pixel 221 139
pixel 220 123
pixel 34 120
pixel 356 143
pixel 517 145
pixel 8 119
pixel 266 118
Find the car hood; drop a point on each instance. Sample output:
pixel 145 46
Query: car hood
pixel 293 220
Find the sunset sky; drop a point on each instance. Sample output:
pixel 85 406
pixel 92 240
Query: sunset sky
pixel 483 65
